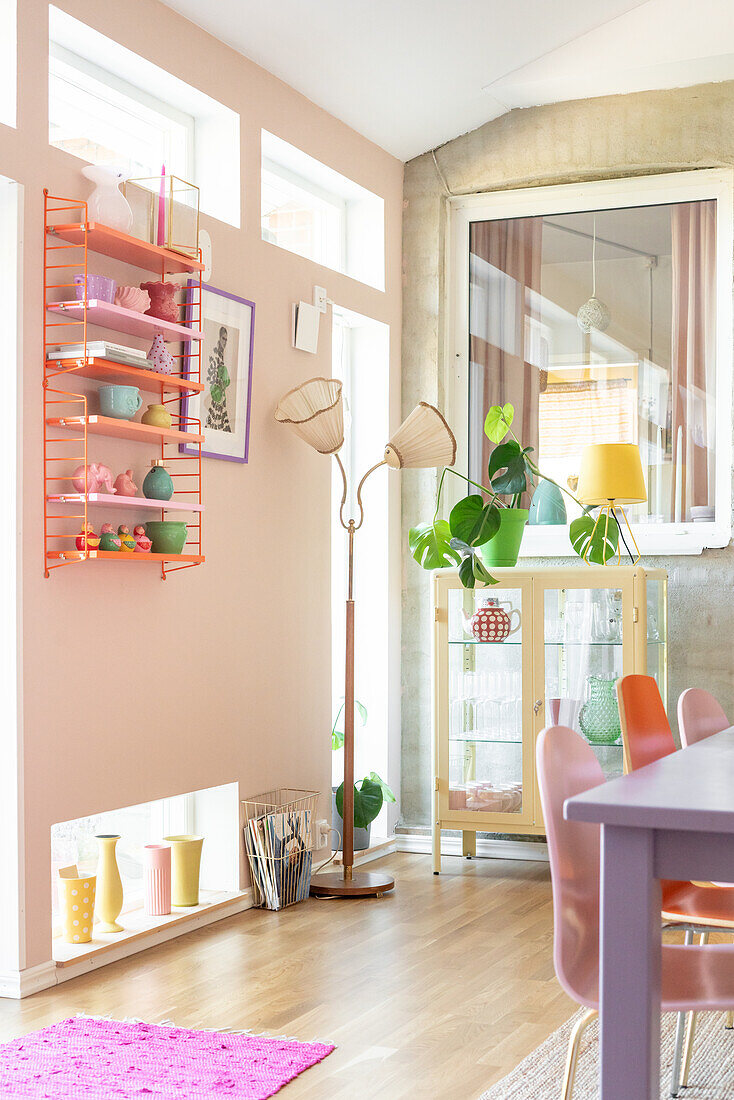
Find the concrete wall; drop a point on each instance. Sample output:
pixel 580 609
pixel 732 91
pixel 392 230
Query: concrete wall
pixel 615 136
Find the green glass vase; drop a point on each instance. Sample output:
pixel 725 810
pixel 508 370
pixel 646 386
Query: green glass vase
pixel 599 716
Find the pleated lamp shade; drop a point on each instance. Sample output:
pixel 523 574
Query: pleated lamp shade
pixel 424 439
pixel 314 410
pixel 611 471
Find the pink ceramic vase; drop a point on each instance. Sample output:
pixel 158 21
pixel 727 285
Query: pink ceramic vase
pixel 157 884
pixel 162 300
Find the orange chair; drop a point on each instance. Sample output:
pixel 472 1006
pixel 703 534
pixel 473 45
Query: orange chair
pixel 647 737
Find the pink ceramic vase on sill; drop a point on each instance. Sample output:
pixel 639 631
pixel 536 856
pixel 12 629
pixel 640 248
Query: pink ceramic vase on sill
pixel 157 882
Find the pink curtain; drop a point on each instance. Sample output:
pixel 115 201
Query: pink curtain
pixel 506 356
pixel 694 352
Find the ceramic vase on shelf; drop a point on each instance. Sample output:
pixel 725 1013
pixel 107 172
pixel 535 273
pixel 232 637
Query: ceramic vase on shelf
pixel 157 881
pixel 109 884
pixel 162 301
pixel 599 716
pixel 185 865
pixel 106 204
pixel 158 483
pixel 76 894
pixel 157 416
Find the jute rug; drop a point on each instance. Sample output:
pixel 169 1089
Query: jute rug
pixel 540 1075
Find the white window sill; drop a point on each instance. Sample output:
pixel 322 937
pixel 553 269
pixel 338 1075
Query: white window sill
pixel 141 928
pixel 662 540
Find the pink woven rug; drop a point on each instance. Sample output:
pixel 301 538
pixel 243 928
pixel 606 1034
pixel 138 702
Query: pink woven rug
pixel 86 1059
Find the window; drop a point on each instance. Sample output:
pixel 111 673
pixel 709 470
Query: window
pixel 308 208
pixel 8 62
pixel 601 312
pixel 361 359
pixel 133 114
pixel 212 813
pixel 102 119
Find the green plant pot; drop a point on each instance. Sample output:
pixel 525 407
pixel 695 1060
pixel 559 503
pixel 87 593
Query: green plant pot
pixel 167 535
pixel 504 548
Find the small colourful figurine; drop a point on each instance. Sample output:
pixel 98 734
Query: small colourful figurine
pixel 127 542
pixel 142 542
pixel 109 540
pixel 124 484
pixel 86 539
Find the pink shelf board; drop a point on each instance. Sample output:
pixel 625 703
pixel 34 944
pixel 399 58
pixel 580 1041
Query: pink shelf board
pixel 108 501
pixel 123 429
pixel 131 250
pixel 110 316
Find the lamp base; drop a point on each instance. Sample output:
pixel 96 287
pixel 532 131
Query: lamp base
pixel 362 884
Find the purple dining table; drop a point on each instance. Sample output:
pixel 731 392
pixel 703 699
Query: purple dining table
pixel 673 819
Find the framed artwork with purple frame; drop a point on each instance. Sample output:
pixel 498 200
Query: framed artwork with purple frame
pixel 228 324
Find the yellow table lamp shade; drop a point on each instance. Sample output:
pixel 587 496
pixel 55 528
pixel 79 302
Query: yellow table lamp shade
pixel 611 472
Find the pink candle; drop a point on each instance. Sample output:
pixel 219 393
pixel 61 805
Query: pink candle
pixel 162 210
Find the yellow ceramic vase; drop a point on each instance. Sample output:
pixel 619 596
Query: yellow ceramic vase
pixel 109 885
pixel 76 893
pixel 185 864
pixel 157 416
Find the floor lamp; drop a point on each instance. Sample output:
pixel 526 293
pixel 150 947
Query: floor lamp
pixel 314 410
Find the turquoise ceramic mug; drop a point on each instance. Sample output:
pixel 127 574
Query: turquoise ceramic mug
pixel 119 401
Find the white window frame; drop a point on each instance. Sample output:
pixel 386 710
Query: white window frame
pixel 119 88
pixel 676 187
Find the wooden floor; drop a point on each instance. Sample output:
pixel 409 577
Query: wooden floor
pixel 433 992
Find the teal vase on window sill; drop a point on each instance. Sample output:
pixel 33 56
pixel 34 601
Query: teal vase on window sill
pixel 504 548
pixel 547 505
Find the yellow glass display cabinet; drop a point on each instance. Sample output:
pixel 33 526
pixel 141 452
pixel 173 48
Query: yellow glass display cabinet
pixel 541 647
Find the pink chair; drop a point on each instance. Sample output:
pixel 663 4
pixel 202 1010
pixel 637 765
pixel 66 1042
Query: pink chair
pixel 699 716
pixel 693 978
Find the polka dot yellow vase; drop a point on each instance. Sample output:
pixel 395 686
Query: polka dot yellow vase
pixel 77 895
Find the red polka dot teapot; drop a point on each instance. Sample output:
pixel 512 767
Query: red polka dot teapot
pixel 491 623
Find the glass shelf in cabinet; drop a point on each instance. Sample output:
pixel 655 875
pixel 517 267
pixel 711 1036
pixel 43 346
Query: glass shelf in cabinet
pixel 479 740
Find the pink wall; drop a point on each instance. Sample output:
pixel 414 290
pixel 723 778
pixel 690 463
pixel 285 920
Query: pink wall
pixel 136 689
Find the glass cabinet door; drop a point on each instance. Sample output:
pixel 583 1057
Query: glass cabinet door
pixel 584 639
pixel 657 631
pixel 488 688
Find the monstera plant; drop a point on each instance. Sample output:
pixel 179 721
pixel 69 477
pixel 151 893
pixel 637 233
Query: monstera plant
pixel 372 791
pixel 485 528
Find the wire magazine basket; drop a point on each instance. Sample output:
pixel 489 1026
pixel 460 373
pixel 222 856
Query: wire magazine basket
pixel 279 841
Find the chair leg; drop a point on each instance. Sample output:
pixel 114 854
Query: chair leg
pixel 680 1030
pixel 573 1052
pixel 704 938
pixel 729 1023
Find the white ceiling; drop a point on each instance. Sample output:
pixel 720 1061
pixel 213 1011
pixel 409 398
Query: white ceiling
pixel 411 74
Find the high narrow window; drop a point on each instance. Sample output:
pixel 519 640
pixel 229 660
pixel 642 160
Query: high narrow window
pixel 308 208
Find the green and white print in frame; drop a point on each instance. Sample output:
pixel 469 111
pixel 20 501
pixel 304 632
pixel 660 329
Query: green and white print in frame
pixel 223 406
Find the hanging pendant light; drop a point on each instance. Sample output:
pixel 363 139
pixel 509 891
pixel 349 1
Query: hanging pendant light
pixel 593 314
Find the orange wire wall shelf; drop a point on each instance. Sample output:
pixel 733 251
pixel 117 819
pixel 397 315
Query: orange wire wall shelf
pixel 69 427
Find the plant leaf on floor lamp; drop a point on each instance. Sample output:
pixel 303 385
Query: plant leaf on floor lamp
pixel 314 411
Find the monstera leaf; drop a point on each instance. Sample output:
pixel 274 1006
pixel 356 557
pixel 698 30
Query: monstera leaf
pixel 367 802
pixel 498 421
pixel 473 521
pixel 510 458
pixel 471 568
pixel 603 543
pixel 430 544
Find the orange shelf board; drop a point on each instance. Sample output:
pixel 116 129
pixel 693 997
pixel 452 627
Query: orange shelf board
pixel 121 246
pixel 118 319
pixel 108 501
pixel 121 555
pixel 105 370
pixel 124 429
